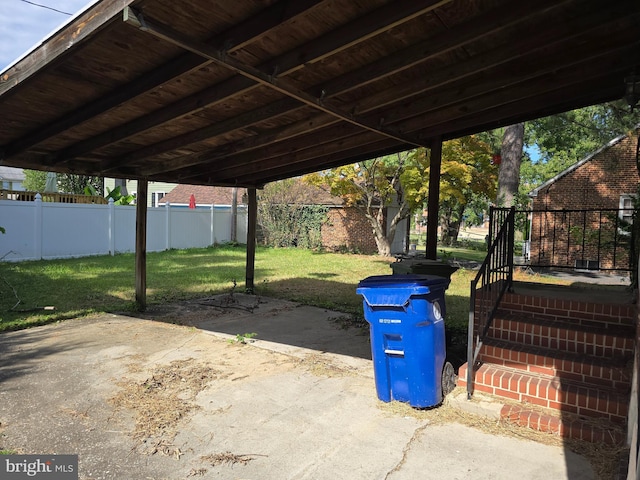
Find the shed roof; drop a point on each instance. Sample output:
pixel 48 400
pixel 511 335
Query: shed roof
pixel 12 174
pixel 243 92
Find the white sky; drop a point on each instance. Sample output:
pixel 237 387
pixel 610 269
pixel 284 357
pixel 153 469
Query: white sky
pixel 23 25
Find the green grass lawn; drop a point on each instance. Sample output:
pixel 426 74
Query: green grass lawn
pixel 78 287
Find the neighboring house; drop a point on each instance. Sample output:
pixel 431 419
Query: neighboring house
pixel 156 190
pixel 346 228
pixel 607 179
pixel 11 178
pixel 204 196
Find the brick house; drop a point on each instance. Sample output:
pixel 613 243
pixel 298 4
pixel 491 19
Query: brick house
pixel 346 228
pixel 605 180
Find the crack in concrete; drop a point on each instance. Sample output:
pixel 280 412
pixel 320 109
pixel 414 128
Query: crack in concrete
pixel 407 448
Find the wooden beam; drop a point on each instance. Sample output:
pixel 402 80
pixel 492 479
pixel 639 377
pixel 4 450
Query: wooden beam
pixel 252 214
pixel 272 81
pixel 371 24
pixel 480 65
pixel 141 245
pixel 232 39
pixel 71 35
pixel 457 37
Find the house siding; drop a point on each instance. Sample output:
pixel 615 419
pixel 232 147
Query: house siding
pixel 596 184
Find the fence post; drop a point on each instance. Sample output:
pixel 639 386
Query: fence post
pixel 112 227
pixel 213 222
pixel 167 223
pixel 37 231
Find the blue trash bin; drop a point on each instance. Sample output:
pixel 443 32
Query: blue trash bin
pixel 406 317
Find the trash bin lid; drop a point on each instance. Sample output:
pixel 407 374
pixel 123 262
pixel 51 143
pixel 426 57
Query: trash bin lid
pixel 405 281
pixel 397 290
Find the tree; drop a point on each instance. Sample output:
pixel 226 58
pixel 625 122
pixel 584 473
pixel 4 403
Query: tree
pixel 562 140
pixel 511 158
pixel 71 183
pixel 466 177
pixel 288 217
pixel 34 180
pixel 371 186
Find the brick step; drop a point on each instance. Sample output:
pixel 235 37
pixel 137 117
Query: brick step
pixel 564 425
pixel 610 341
pixel 556 393
pixel 581 311
pixel 613 373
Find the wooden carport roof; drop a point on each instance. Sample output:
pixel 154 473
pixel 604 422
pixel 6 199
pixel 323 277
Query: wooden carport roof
pixel 244 92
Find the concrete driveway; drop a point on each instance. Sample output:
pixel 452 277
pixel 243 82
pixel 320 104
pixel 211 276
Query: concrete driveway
pixel 140 399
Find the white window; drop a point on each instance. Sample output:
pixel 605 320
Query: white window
pixel 156 197
pixel 626 208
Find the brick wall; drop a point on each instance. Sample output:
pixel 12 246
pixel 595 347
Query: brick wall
pixel 348 228
pixel 596 184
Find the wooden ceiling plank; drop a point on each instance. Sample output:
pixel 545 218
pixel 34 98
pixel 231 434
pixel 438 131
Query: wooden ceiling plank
pixel 458 36
pixel 274 82
pixel 306 153
pixel 232 39
pixel 367 25
pixel 79 30
pixel 459 96
pixel 454 38
pixel 495 58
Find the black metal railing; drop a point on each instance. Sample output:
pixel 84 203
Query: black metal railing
pixel 492 281
pixel 587 239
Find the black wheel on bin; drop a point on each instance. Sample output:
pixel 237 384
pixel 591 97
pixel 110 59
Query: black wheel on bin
pixel 448 379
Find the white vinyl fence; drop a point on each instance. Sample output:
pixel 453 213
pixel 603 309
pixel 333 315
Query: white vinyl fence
pixel 41 230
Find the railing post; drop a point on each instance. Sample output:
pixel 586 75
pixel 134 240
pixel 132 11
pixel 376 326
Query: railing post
pixel 511 241
pixel 471 328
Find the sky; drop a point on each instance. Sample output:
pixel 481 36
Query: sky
pixel 23 24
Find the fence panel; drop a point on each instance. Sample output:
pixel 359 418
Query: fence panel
pixel 43 230
pixel 74 230
pixel 18 219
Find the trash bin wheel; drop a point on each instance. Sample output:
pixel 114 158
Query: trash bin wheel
pixel 448 379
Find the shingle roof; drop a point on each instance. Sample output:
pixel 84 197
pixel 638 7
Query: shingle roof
pixel 204 195
pixel 10 173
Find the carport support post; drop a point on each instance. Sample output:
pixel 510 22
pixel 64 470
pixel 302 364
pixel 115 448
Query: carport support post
pixel 141 245
pixel 433 201
pixel 252 214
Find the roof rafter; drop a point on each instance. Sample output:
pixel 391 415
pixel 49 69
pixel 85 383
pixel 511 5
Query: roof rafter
pixel 358 30
pixel 232 39
pixel 459 36
pixel 476 66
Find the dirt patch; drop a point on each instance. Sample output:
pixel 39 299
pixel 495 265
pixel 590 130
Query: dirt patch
pixel 160 401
